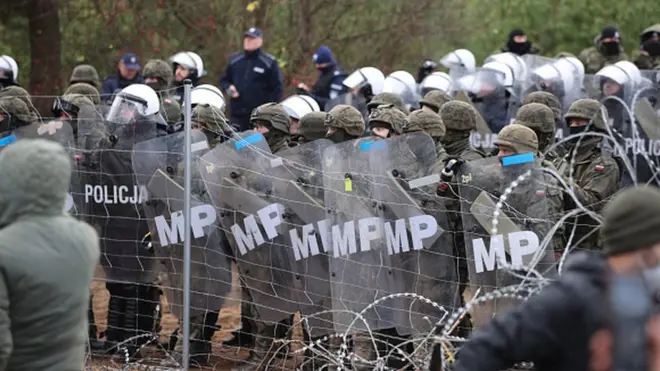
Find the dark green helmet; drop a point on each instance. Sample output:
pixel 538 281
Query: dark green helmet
pixel 210 118
pixel 159 69
pixel 85 73
pixel 537 117
pixel 435 99
pixel 589 109
pixel 312 126
pixel 547 99
pixel 518 137
pixel 22 94
pixel 85 89
pixel 79 100
pixel 388 98
pixel 458 116
pixel 17 110
pixel 274 114
pixel 429 122
pixel 390 115
pixel 347 118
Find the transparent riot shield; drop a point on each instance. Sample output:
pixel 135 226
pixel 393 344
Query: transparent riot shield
pixel 414 223
pixel 489 91
pixel 114 200
pixel 158 166
pixel 235 175
pixel 297 184
pixel 506 227
pixel 352 99
pixel 360 267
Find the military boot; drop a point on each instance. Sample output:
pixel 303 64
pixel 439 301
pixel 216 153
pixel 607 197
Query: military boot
pixel 114 333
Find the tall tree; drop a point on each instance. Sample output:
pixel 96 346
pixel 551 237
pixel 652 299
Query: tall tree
pixel 45 50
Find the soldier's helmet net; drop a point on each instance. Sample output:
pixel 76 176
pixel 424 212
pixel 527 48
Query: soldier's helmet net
pixel 435 99
pixel 387 116
pixel 590 110
pixel 210 118
pixel 85 89
pixel 14 111
pixel 273 115
pixel 519 138
pixel 158 69
pixel 426 121
pixel 546 99
pixel 346 118
pixel 19 92
pixel 458 116
pixel 134 103
pixel 537 117
pixel 387 98
pixel 85 73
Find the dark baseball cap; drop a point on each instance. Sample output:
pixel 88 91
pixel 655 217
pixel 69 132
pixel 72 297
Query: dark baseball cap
pixel 131 61
pixel 253 32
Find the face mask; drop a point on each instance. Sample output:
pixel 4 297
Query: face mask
pixel 337 137
pixel 519 48
pixel 610 48
pixel 576 130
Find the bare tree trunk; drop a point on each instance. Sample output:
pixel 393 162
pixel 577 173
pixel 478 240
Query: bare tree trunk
pixel 45 51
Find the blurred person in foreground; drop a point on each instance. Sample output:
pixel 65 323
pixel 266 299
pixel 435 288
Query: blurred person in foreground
pixel 558 328
pixel 47 261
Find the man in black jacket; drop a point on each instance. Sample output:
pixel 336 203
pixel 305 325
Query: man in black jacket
pixel 251 79
pixel 554 329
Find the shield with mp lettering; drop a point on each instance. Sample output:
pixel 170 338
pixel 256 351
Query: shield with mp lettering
pixel 296 179
pixel 507 229
pixel 159 166
pixel 114 199
pixel 361 271
pixel 414 224
pixel 236 177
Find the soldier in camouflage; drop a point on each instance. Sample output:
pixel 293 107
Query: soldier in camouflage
pixel 85 89
pixel 541 119
pixel 430 123
pixel 387 98
pixel 22 94
pixel 212 122
pixel 434 99
pixel 85 73
pixel 608 50
pixel 158 75
pixel 515 139
pixel 344 123
pixel 591 172
pixel 648 55
pixel 14 113
pixel 71 111
pixel 311 127
pixel 386 121
pixel 274 123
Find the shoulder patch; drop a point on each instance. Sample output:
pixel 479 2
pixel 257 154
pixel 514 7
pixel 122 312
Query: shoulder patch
pixel 599 167
pixel 167 100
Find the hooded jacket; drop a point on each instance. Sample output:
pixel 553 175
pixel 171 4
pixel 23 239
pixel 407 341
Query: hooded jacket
pixel 47 260
pixel 552 329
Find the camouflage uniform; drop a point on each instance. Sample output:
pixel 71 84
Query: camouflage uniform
pixel 387 98
pixel 273 116
pixel 389 116
pixel 430 123
pixel 434 99
pixel 17 91
pixel 594 60
pixel 540 119
pixel 644 61
pixel 596 173
pixel 347 120
pixel 311 127
pixel 83 103
pixel 18 112
pixel 85 89
pixel 460 119
pixel 162 72
pixel 85 73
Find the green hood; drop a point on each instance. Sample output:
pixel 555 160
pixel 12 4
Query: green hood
pixel 34 180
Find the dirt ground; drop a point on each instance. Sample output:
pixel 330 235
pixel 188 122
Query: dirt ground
pixel 223 358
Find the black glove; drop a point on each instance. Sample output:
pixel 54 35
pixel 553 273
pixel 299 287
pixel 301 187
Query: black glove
pixel 426 69
pixel 452 165
pixel 367 93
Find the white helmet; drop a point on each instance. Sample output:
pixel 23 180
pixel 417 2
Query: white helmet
pixel 488 78
pixel 436 81
pixel 569 71
pixel 623 73
pixel 298 106
pixel 191 61
pixel 132 102
pixel 399 82
pixel 207 94
pixel 516 64
pixel 462 59
pixel 9 69
pixel 366 75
